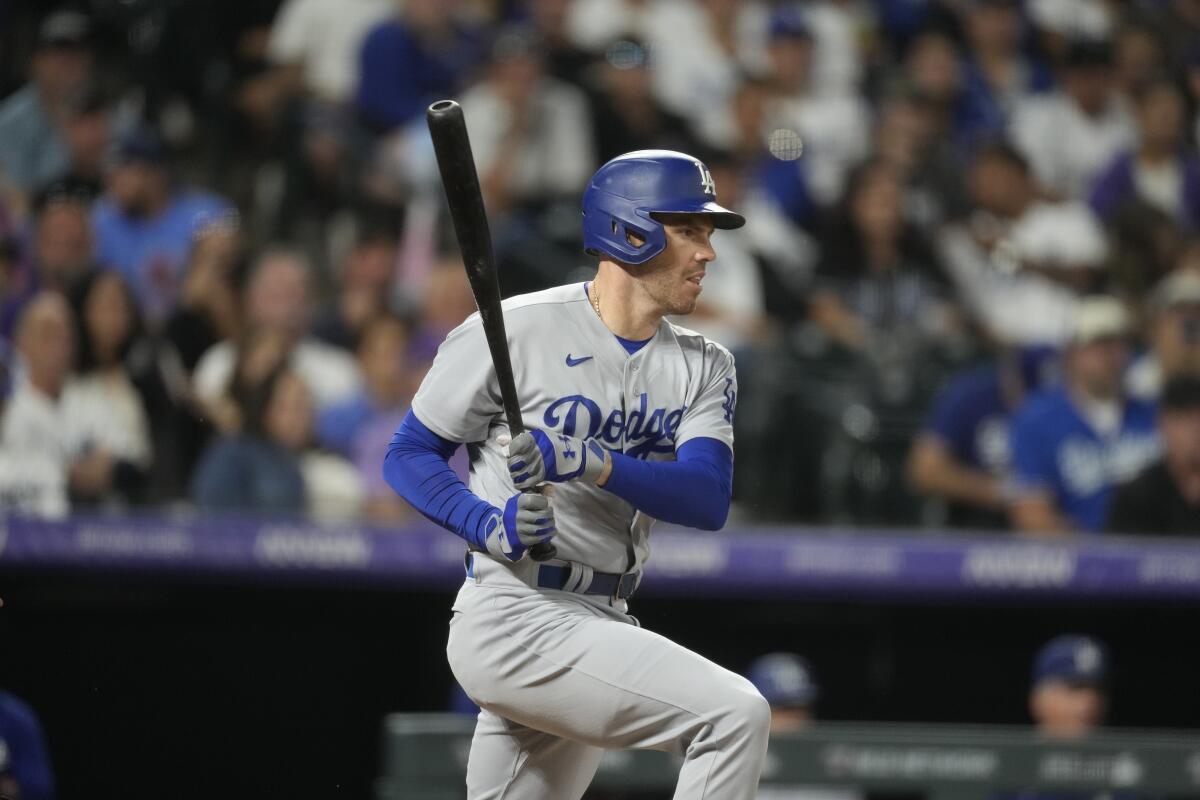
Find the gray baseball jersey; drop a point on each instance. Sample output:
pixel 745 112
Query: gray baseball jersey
pixel 574 377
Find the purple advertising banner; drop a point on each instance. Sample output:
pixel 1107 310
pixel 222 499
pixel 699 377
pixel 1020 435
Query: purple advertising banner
pixel 746 562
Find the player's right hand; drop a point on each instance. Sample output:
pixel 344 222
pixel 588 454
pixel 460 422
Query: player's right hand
pixel 527 520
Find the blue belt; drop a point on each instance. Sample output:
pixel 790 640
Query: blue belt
pixel 620 586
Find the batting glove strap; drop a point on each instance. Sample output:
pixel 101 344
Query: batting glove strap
pixel 536 456
pixel 525 521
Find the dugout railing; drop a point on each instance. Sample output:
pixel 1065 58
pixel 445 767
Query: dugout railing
pixel 425 755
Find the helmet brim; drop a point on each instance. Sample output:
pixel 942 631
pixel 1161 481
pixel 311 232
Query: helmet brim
pixel 722 218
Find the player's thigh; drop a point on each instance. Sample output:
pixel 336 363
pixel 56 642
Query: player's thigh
pixel 515 762
pixel 659 693
pixel 594 679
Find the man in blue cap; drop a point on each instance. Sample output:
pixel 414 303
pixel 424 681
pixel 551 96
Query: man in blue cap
pixel 787 682
pixel 1069 697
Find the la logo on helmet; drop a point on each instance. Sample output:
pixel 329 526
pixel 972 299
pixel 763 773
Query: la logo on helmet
pixel 706 180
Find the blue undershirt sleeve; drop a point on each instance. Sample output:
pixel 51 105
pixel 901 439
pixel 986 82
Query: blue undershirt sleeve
pixel 694 490
pixel 416 466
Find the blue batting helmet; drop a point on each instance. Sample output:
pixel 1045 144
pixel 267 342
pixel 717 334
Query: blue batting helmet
pixel 625 193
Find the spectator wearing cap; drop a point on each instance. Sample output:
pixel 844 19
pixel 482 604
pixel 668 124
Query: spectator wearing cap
pixel 997 75
pixel 1164 499
pixel 961 456
pixel 1072 134
pixel 834 127
pixel 406 63
pixel 147 220
pixel 1069 694
pixel 1159 171
pixel 25 772
pixel 31 120
pixel 1019 261
pixel 787 683
pixel 1072 445
pixel 1174 334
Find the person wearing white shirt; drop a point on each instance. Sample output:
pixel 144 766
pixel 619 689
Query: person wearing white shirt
pixel 833 127
pixel 104 415
pixel 530 134
pixel 1071 135
pixel 34 459
pixel 703 49
pixel 595 24
pixel 1019 262
pixel 321 39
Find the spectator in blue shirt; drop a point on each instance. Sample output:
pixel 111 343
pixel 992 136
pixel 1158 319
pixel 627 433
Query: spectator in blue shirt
pixel 409 62
pixel 997 74
pixel 1071 446
pixel 258 469
pixel 962 456
pixel 146 222
pixel 35 149
pixel 24 764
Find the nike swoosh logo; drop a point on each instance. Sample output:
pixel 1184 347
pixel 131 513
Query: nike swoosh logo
pixel 574 362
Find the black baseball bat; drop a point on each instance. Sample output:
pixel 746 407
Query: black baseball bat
pixel 461 182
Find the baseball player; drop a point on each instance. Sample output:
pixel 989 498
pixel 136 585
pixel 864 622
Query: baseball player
pixel 631 420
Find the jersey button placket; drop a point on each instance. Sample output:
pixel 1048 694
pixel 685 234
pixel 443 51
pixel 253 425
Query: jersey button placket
pixel 628 398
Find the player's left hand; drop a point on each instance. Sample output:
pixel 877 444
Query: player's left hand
pixel 535 456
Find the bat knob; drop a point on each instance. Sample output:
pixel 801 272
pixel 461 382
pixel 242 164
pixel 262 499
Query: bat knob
pixel 543 552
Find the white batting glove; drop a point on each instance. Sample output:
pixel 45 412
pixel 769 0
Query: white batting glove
pixel 535 456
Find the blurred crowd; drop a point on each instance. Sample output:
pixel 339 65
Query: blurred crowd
pixel 968 292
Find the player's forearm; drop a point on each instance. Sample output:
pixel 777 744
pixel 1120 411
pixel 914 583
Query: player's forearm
pixel 694 491
pixel 416 468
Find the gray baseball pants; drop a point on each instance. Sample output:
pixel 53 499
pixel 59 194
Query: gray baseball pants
pixel 561 677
